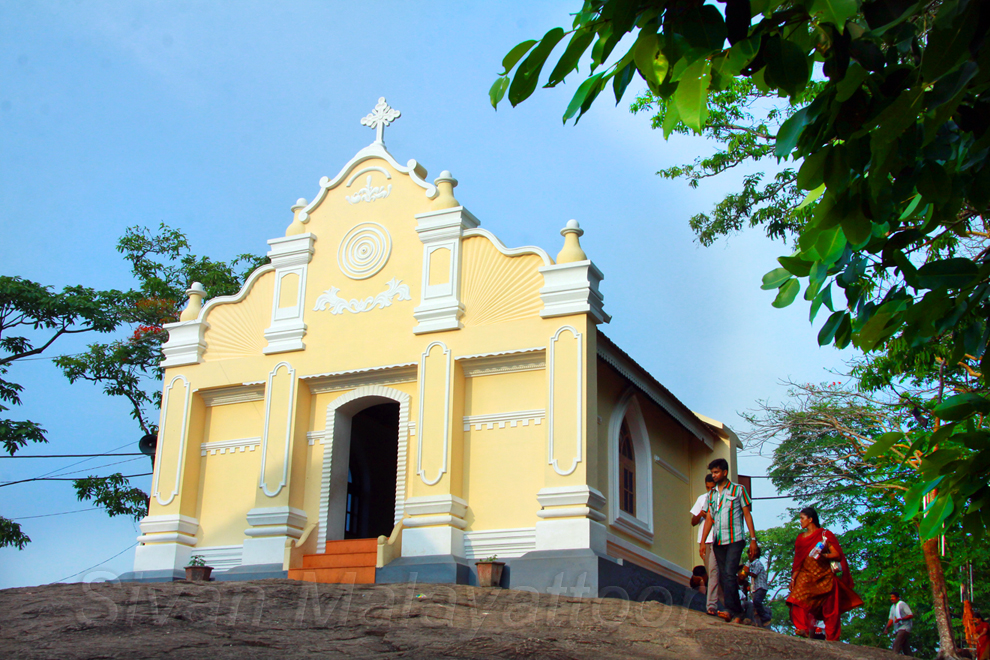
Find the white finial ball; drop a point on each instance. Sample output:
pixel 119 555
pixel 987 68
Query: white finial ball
pixel 197 289
pixel 446 175
pixel 301 201
pixel 573 224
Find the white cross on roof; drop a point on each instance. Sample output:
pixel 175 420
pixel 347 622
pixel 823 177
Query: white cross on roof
pixel 379 118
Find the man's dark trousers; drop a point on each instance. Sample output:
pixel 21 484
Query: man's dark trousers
pixel 728 557
pixel 901 642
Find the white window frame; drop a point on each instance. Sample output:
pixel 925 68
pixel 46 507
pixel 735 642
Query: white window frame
pixel 639 526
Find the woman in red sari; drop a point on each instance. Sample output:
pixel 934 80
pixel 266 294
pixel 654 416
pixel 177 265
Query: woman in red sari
pixel 816 592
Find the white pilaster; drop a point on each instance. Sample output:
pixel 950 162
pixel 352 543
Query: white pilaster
pixel 440 307
pixel 435 526
pixel 166 543
pixel 271 529
pixel 572 288
pixel 185 343
pixel 290 256
pixel 571 519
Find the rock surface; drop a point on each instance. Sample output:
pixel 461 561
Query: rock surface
pixel 285 619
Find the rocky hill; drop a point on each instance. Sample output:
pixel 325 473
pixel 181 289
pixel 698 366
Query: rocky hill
pixel 287 620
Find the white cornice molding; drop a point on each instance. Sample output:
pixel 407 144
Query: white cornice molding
pixel 237 297
pixel 485 364
pixel 572 288
pixel 670 468
pixel 229 446
pixel 346 380
pixel 629 370
pixel 507 251
pixel 243 393
pixel 526 417
pixel 415 171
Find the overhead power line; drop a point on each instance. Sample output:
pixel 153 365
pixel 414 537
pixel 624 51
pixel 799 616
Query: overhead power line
pixel 126 476
pixel 62 513
pixel 100 564
pixel 73 455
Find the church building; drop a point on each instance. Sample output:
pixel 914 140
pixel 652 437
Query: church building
pixel 398 395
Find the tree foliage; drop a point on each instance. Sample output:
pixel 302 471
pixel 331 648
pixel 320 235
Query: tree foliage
pixel 889 131
pixel 127 367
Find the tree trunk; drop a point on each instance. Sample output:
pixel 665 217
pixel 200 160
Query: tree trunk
pixel 940 601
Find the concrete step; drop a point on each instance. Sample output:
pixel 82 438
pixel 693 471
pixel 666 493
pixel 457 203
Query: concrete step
pixel 352 546
pixel 362 575
pixel 353 560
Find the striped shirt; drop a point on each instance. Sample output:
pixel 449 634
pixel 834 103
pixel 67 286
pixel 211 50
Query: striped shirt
pixel 725 506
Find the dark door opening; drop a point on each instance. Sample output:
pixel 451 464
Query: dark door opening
pixel 370 505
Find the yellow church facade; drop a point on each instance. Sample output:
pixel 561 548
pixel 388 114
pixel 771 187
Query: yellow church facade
pixel 398 395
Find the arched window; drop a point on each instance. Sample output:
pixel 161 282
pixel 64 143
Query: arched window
pixel 627 470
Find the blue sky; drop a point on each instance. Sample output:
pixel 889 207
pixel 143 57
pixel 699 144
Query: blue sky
pixel 214 117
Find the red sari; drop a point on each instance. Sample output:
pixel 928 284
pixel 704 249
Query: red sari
pixel 817 593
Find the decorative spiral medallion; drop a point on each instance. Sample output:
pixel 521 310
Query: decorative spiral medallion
pixel 364 250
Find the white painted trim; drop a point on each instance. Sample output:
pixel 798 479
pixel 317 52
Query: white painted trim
pixel 670 468
pixel 277 515
pixel 182 440
pixel 580 393
pixel 504 543
pixel 420 470
pixel 485 364
pixel 288 429
pixel 237 297
pixel 346 380
pixel 330 301
pixel 647 555
pixel 639 525
pixel 370 168
pixel 583 495
pixel 513 419
pixel 243 393
pixel 628 371
pixel 402 441
pixel 374 150
pixel 507 251
pixel 169 523
pixel 436 504
pixel 229 446
pixel 221 557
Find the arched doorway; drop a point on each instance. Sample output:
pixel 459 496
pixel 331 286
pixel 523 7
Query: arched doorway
pixel 370 503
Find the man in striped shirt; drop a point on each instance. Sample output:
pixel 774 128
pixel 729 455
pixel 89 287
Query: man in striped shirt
pixel 725 509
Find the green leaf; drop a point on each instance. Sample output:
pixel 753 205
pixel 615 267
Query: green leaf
pixel 915 495
pixel 623 76
pixel 952 273
pixel 670 120
pixel 650 61
pixel 827 332
pixel 811 176
pixel 883 443
pixel 691 96
pixel 515 55
pixel 948 45
pixel 568 62
pixel 836 12
pixel 775 278
pixel 788 292
pixel 498 90
pixel 580 95
pixel 788 68
pixel 796 265
pixel 852 81
pixel 790 131
pixel 528 74
pixel 961 406
pixel 812 197
pixel 935 515
pixel 830 244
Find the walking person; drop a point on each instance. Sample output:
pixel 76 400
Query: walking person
pixel 821 587
pixel 900 620
pixel 758 589
pixel 714 589
pixel 726 507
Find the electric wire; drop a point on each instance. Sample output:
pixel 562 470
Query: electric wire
pixel 97 467
pixel 73 455
pixel 126 476
pixel 100 564
pixel 62 513
pixel 66 467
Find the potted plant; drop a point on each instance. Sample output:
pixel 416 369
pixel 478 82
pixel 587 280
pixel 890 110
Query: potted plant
pixel 197 570
pixel 490 571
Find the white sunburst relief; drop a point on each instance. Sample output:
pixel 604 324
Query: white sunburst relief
pixel 330 300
